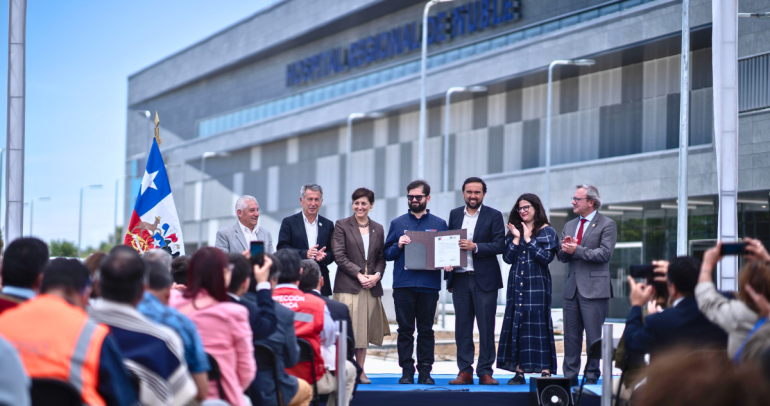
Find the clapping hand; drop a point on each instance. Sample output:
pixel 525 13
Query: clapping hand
pixel 320 254
pixel 514 231
pixel 311 253
pixel 640 293
pixel 526 231
pixel 568 245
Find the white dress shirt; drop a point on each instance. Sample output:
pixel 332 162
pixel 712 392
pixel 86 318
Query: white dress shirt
pixel 590 218
pixel 365 237
pixel 311 229
pixel 248 234
pixel 469 224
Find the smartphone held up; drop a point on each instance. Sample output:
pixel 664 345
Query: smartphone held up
pixel 257 252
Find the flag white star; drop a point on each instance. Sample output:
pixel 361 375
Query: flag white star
pixel 149 181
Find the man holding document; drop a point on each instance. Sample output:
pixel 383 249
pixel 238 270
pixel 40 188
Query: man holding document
pixel 415 291
pixel 474 287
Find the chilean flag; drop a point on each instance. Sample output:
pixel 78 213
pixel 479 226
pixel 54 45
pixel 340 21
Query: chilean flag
pixel 154 222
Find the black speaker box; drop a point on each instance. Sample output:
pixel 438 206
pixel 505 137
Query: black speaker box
pixel 552 391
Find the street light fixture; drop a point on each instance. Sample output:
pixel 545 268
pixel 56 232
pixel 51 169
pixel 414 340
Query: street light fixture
pixel 32 211
pixel 203 174
pixel 755 15
pixel 349 146
pixel 574 62
pixel 80 216
pixel 474 89
pixel 424 66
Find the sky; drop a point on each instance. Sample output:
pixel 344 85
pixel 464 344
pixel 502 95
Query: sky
pixel 79 56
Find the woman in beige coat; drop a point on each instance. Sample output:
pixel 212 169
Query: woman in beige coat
pixel 358 245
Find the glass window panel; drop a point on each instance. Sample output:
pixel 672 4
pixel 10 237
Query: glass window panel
pixel 588 15
pixel 482 47
pixel 612 8
pixel 515 37
pixel 373 79
pixel 386 75
pixel 552 26
pixel 531 32
pixel 498 42
pixel 440 59
pixel 350 86
pixel 339 89
pixel 567 21
pixel 467 52
pixel 452 56
pixel 361 83
pixel 328 92
pixel 629 3
pixel 399 71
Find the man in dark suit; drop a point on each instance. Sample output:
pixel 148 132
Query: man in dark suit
pixel 309 233
pixel 679 324
pixel 261 305
pixel 474 288
pixel 587 246
pixel 283 342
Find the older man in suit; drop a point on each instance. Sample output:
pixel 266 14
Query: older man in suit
pixel 309 233
pixel 474 288
pixel 587 246
pixel 238 237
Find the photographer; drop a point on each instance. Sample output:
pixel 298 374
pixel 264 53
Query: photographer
pixel 738 316
pixel 680 323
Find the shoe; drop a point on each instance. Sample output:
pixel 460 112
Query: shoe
pixel 407 378
pixel 574 382
pixel 425 379
pixel 365 380
pixel 518 379
pixel 488 380
pixel 592 381
pixel 545 375
pixel 463 378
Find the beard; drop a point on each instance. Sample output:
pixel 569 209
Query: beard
pixel 473 206
pixel 418 207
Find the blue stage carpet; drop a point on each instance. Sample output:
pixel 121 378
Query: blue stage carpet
pixel 386 391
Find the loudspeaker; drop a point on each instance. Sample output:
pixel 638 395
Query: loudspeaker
pixel 551 391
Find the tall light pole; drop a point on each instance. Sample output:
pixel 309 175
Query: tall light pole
pixel 575 62
pixel 80 216
pixel 424 66
pixel 32 211
pixel 203 175
pixel 14 144
pixel 684 133
pixel 475 89
pixel 349 147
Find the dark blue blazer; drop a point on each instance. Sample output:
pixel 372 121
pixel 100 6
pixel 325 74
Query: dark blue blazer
pixel 283 342
pixel 261 307
pixel 682 324
pixel 489 236
pixel 293 235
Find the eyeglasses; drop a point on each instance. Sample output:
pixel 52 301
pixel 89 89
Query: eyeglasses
pixel 418 197
pixel 523 208
pixel 578 199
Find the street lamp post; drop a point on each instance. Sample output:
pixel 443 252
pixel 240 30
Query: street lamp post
pixel 349 146
pixel 576 62
pixel 80 216
pixel 32 211
pixel 424 66
pixel 203 175
pixel 445 188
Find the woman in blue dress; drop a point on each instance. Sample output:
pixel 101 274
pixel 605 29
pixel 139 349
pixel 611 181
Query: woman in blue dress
pixel 527 343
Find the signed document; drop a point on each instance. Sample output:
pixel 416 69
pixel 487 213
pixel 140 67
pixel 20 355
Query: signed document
pixel 447 251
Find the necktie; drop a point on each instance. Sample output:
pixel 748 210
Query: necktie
pixel 580 231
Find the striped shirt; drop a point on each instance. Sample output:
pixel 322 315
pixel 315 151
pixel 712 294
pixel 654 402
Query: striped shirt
pixel 153 353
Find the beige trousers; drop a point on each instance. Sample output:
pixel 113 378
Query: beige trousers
pixel 328 384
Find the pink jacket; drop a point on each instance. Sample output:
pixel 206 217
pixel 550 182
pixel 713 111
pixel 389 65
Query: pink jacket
pixel 226 335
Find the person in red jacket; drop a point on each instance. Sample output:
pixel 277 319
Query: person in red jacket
pixel 312 322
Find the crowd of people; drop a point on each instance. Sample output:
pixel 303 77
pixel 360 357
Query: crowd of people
pixel 122 328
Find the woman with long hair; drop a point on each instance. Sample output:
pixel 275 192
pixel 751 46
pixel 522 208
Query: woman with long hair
pixel 223 326
pixel 527 342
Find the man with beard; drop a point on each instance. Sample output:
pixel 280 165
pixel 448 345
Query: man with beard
pixel 238 237
pixel 415 292
pixel 474 287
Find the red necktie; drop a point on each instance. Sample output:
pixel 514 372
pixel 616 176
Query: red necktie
pixel 580 231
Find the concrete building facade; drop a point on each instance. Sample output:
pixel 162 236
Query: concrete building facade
pixel 274 92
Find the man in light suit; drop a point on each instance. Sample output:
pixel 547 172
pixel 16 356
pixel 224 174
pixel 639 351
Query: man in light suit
pixel 587 246
pixel 238 237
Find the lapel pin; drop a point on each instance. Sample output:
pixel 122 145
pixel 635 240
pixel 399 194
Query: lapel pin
pixel 593 225
pixel 320 224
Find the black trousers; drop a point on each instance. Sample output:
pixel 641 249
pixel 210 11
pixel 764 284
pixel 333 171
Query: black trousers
pixel 471 302
pixel 580 314
pixel 415 309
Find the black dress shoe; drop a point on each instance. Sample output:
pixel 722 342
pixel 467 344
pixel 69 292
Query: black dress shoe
pixel 425 379
pixel 591 381
pixel 518 379
pixel 407 379
pixel 574 382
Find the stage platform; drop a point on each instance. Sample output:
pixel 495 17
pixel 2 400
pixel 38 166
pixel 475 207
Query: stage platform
pixel 386 391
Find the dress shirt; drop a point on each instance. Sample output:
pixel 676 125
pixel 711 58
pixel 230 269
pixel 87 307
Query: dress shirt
pixel 676 302
pixel 248 234
pixel 311 229
pixel 469 224
pixel 589 218
pixel 365 237
pixel 23 293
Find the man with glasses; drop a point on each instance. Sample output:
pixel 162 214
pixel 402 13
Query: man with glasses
pixel 474 287
pixel 587 245
pixel 415 291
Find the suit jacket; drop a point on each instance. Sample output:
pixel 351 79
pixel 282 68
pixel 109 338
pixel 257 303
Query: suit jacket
pixel 261 307
pixel 588 268
pixel 682 324
pixel 231 239
pixel 339 311
pixel 293 235
pixel 489 236
pixel 283 342
pixel 348 247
